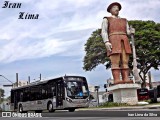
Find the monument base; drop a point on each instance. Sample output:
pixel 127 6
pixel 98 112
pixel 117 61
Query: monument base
pixel 125 93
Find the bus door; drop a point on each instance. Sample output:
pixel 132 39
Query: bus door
pixel 59 93
pixel 15 99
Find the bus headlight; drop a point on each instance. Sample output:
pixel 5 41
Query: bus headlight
pixel 69 100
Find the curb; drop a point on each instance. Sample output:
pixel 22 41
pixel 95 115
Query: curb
pixel 122 108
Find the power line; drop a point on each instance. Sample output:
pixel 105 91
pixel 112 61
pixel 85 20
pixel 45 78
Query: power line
pixel 6 79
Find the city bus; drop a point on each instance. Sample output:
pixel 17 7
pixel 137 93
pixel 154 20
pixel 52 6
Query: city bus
pixel 158 91
pixel 62 93
pixel 154 94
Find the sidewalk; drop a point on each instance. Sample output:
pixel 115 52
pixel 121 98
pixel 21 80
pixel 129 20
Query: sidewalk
pixel 124 108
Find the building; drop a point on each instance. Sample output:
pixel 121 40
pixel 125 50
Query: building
pixel 91 88
pixel 155 84
pixel 20 83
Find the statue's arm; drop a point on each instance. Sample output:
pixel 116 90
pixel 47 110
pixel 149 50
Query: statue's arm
pixel 104 34
pixel 104 31
pixel 130 30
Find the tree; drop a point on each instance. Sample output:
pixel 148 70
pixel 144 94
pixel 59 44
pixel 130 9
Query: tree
pixel 95 52
pixel 1 94
pixel 147 41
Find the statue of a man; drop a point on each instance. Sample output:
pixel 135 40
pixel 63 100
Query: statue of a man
pixel 114 33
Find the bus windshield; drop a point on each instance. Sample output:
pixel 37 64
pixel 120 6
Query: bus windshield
pixel 77 89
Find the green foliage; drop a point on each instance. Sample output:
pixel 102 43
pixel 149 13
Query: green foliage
pixel 1 95
pixel 147 43
pixel 95 52
pixel 1 92
pixel 113 104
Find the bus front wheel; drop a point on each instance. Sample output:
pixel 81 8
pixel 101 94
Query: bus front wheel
pixel 20 108
pixel 50 107
pixel 71 110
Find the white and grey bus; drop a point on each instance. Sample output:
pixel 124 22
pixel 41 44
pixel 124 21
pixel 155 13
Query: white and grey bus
pixel 67 93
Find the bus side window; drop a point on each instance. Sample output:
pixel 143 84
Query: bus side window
pixel 12 96
pixel 31 93
pixel 50 89
pixel 27 97
pixel 44 91
pixel 39 95
pixel 53 91
pixel 21 96
pixel 49 92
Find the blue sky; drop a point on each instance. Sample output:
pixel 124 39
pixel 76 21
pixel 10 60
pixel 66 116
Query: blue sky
pixel 53 45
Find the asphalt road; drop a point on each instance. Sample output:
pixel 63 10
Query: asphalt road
pixel 83 118
pixel 91 115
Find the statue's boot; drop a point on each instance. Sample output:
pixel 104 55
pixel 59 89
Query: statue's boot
pixel 116 76
pixel 125 76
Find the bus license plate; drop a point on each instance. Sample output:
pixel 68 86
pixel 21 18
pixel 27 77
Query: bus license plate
pixel 79 105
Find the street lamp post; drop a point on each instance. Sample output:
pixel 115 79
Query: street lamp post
pixel 96 89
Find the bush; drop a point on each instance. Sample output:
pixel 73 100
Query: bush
pixel 113 104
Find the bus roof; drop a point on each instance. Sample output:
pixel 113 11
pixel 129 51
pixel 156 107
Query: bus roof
pixel 44 81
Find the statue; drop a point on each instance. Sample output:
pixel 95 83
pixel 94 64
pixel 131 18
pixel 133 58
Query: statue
pixel 114 33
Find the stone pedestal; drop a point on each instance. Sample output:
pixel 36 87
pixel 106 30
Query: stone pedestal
pixel 125 93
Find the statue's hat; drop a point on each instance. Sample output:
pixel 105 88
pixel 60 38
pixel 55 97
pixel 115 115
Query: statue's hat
pixel 112 4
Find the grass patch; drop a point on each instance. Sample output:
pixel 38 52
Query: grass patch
pixel 113 104
pixel 152 103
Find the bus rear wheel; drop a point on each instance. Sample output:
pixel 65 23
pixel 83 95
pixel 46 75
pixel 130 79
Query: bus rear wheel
pixel 38 111
pixel 50 107
pixel 20 109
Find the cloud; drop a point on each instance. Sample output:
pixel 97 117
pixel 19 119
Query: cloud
pixel 52 20
pixel 28 39
pixel 54 44
pixel 15 51
pixel 140 10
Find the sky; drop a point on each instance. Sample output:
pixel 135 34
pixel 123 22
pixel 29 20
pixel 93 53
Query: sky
pixel 53 44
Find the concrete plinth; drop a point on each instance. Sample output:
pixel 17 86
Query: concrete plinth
pixel 125 93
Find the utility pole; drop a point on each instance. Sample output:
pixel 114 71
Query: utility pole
pixel 135 69
pixel 40 76
pixel 29 79
pixel 97 89
pixel 150 81
pixel 16 79
pixel 0 96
